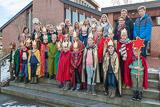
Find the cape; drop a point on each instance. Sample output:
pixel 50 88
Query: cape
pixel 145 76
pixel 20 59
pixel 42 53
pixel 127 70
pixel 57 60
pixel 60 37
pixel 52 49
pixel 16 62
pixel 81 46
pixel 64 67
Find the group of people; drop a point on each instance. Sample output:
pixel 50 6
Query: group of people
pixel 84 55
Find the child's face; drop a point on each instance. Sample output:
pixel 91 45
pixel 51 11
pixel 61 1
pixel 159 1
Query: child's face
pixel 124 37
pixel 70 32
pixel 99 32
pixel 65 49
pixel 84 32
pixel 111 49
pixel 90 41
pixel 66 38
pixel 34 46
pixel 27 44
pixel 76 49
pixel 60 49
pixel 110 35
pixel 37 29
pixel 75 38
pixel 93 29
pixel 59 32
pixel 54 39
pixel 45 40
pixel 44 33
pixel 13 49
pixel 135 52
pixel 62 26
pixel 37 39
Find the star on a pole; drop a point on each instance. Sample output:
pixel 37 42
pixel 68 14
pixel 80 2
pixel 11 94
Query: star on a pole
pixel 138 43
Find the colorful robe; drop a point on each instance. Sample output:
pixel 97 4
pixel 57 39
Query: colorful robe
pixel 20 59
pixel 57 60
pixel 81 46
pixel 16 62
pixel 127 70
pixel 64 67
pixel 60 38
pixel 42 53
pixel 52 49
pixel 38 71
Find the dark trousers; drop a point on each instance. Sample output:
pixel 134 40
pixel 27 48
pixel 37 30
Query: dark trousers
pixel 77 77
pixel 101 72
pixel 144 49
pixel 122 67
pixel 33 69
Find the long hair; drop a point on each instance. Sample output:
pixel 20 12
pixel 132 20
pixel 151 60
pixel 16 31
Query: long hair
pixel 107 20
pixel 85 21
pixel 25 29
pixel 75 26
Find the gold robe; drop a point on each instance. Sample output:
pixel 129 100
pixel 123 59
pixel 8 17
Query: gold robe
pixel 38 71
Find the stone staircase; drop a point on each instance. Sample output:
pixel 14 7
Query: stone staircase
pixel 47 91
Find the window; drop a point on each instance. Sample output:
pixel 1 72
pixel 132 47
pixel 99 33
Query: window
pixel 81 17
pixel 67 13
pixel 73 17
pixel 89 19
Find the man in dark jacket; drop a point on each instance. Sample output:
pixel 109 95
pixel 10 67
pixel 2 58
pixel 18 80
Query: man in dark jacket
pixel 143 27
pixel 128 22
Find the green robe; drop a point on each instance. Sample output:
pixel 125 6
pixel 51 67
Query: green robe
pixel 57 60
pixel 16 62
pixel 52 49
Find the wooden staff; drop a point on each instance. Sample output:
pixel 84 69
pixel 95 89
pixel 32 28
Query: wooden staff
pixel 138 65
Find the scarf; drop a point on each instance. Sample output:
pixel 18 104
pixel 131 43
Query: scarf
pixel 90 46
pixel 98 40
pixel 121 27
pixel 123 51
pixel 135 58
pixel 125 41
pixel 105 24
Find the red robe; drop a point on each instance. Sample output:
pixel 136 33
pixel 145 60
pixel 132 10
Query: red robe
pixel 81 46
pixel 64 67
pixel 60 37
pixel 77 66
pixel 127 70
pixel 20 59
pixel 42 53
pixel 100 48
pixel 145 76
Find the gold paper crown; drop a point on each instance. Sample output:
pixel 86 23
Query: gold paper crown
pixel 59 44
pixel 34 42
pixel 93 25
pixel 23 43
pixel 45 37
pixel 65 44
pixel 44 29
pixel 54 35
pixel 110 30
pixel 66 35
pixel 75 34
pixel 123 32
pixel 12 45
pixel 100 28
pixel 75 44
pixel 81 23
pixel 91 35
pixel 29 40
pixel 110 43
pixel 37 36
pixel 59 27
pixel 84 28
pixel 71 28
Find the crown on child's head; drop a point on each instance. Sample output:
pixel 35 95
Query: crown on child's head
pixel 44 29
pixel 93 25
pixel 45 37
pixel 37 36
pixel 59 27
pixel 84 28
pixel 123 32
pixel 91 35
pixel 23 43
pixel 75 44
pixel 110 30
pixel 59 44
pixel 110 43
pixel 29 40
pixel 75 34
pixel 100 28
pixel 71 28
pixel 65 44
pixel 34 42
pixel 66 35
pixel 81 23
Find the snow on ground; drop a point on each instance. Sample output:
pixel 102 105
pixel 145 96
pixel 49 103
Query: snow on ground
pixel 4 74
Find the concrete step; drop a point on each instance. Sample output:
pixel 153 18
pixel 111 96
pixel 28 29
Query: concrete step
pixel 53 98
pixel 54 89
pixel 151 83
pixel 153 74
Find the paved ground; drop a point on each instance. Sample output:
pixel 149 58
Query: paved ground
pixel 12 101
pixel 153 62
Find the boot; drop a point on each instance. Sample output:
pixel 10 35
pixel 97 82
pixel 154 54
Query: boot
pixel 139 96
pixel 25 80
pixel 128 87
pixel 32 80
pixel 113 93
pixel 88 89
pixel 67 85
pixel 21 79
pixel 134 95
pixel 35 80
pixel 124 85
pixel 93 89
pixel 64 85
pixel 109 91
pixel 78 87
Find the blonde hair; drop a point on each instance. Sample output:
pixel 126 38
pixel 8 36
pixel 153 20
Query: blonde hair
pixel 75 26
pixel 85 21
pixel 141 7
pixel 107 20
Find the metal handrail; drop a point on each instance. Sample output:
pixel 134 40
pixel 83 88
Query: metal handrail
pixel 5 57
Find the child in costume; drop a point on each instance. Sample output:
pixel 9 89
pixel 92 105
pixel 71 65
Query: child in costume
pixel 90 66
pixel 44 57
pixel 63 74
pixel 138 86
pixel 62 24
pixel 93 30
pixel 100 43
pixel 66 38
pixel 60 35
pixel 44 32
pixel 125 53
pixel 76 38
pixel 76 68
pixel 38 41
pixel 52 49
pixel 34 64
pixel 71 30
pixel 29 44
pixel 112 74
pixel 23 63
pixel 84 35
pixel 12 60
pixel 80 28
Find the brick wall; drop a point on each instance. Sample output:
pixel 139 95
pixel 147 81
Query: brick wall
pixel 48 11
pixel 155 42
